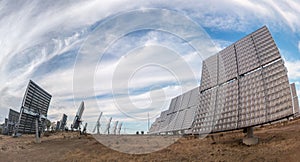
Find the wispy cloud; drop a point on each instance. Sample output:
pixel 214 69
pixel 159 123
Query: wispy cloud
pixel 40 40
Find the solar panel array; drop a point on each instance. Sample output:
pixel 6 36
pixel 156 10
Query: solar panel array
pixel 179 116
pixel 243 85
pixel 13 117
pixel 295 99
pixel 35 102
pixel 63 122
pixel 77 119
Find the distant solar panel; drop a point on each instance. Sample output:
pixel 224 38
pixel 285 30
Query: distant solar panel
pixel 13 118
pixel 295 99
pixel 35 105
pixel 77 120
pixel 4 127
pixel 63 122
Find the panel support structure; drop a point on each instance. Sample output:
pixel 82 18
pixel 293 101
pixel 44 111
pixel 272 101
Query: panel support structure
pixel 250 139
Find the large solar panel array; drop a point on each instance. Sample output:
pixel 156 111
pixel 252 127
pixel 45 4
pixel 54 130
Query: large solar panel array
pixel 35 103
pixel 252 89
pixel 243 85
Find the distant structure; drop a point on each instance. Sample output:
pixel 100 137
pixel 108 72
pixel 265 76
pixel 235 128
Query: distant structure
pixel 10 122
pixel 97 126
pixel 63 122
pixel 295 100
pixel 108 126
pixel 115 127
pixel 84 129
pixel 244 85
pixel 119 128
pixel 33 111
pixel 77 120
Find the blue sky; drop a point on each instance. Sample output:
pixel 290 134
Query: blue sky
pixel 43 41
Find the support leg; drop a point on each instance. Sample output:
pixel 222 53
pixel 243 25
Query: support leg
pixel 250 139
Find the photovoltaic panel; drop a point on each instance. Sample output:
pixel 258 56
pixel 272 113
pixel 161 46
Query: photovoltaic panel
pixel 252 110
pixel 295 98
pixel 277 90
pixel 247 58
pixel 13 117
pixel 177 103
pixel 77 119
pixel 185 100
pixel 189 118
pixel 227 69
pixel 171 121
pixel 164 121
pixel 226 114
pixel 179 120
pixel 63 122
pixel 194 98
pixel 205 114
pixel 243 85
pixel 35 102
pixel 209 73
pixel 265 46
pixel 4 127
pixel 173 104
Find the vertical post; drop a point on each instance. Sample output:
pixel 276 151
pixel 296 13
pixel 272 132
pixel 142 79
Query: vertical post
pixel 250 139
pixel 37 131
pixel 98 125
pixel 148 122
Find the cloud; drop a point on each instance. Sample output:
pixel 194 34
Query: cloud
pixel 40 41
pixel 293 69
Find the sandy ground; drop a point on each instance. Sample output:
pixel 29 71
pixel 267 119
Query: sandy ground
pixel 279 142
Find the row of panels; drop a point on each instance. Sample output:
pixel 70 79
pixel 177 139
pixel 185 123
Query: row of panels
pixel 251 52
pixel 261 96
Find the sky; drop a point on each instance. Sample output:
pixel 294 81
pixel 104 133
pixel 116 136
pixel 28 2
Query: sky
pixel 125 58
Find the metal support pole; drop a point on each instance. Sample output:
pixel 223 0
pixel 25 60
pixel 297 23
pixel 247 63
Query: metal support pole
pixel 250 139
pixel 37 131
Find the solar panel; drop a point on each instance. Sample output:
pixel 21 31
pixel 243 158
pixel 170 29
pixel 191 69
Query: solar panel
pixel 179 120
pixel 188 118
pixel 259 94
pixel 63 122
pixel 247 58
pixel 295 98
pixel 177 103
pixel 226 113
pixel 77 120
pixel 13 117
pixel 243 85
pixel 35 105
pixel 4 127
pixel 227 65
pixel 194 98
pixel 185 100
pixel 209 76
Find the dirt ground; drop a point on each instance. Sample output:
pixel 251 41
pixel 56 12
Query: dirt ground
pixel 278 142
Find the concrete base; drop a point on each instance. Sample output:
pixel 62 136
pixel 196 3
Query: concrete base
pixel 250 139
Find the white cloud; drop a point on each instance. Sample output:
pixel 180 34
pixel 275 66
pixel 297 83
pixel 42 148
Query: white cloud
pixel 33 33
pixel 293 69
